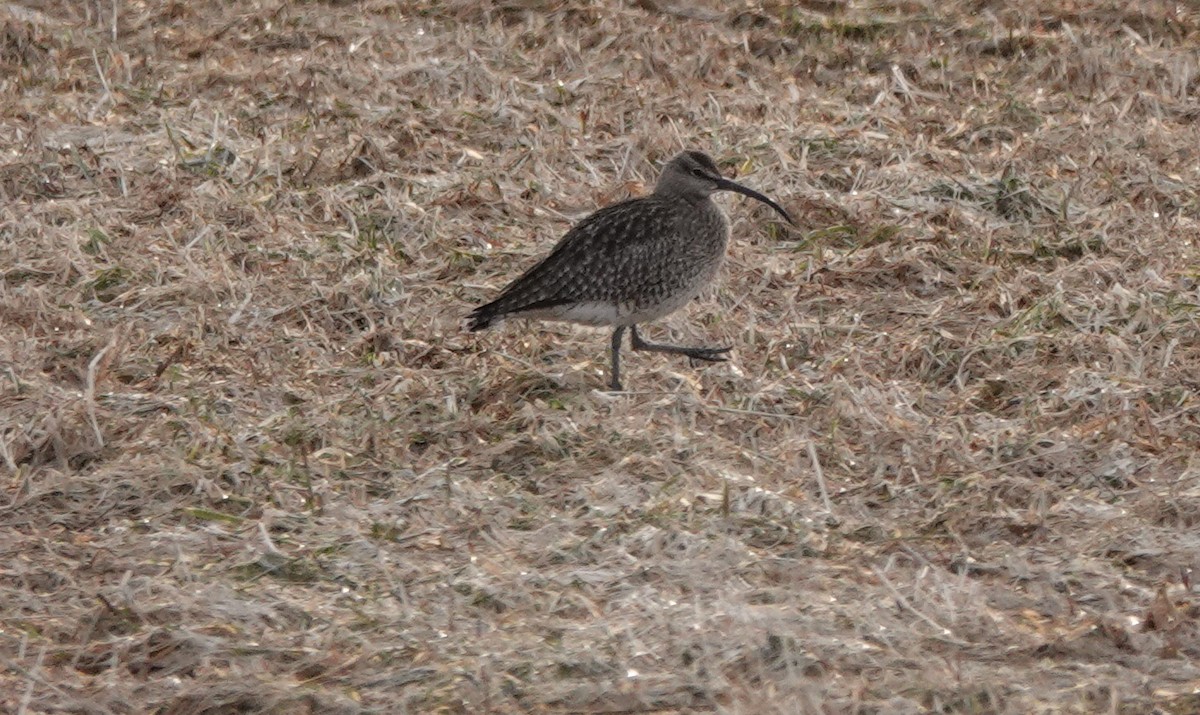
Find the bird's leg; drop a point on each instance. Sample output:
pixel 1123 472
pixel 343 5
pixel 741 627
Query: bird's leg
pixel 615 385
pixel 709 354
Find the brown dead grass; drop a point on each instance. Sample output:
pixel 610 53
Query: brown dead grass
pixel 252 464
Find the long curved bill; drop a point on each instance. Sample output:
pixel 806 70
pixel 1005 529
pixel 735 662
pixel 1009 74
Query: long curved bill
pixel 728 185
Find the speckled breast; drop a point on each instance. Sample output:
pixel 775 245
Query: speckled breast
pixel 680 266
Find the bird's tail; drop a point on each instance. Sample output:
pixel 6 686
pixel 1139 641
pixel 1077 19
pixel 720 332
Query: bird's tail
pixel 482 317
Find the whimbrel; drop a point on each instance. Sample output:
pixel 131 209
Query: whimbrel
pixel 631 262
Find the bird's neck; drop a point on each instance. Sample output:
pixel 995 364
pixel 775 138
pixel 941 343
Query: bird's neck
pixel 697 200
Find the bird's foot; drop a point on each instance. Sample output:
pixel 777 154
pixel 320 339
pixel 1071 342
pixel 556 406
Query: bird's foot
pixel 697 353
pixel 706 354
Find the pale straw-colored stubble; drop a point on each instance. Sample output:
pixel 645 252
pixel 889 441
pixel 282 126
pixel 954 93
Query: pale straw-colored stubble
pixel 311 490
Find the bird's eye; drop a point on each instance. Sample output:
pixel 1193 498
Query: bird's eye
pixel 699 173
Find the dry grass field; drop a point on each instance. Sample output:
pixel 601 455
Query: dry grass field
pixel 251 463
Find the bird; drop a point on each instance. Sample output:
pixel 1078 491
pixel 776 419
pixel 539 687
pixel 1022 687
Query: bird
pixel 632 262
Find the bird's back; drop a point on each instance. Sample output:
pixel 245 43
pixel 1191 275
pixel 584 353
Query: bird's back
pixel 632 261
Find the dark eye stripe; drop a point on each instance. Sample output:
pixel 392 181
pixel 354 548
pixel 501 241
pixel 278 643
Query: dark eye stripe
pixel 704 161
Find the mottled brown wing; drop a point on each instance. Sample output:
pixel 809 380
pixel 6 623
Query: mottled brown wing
pixel 602 259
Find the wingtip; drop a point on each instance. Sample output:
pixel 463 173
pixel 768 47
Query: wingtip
pixel 477 321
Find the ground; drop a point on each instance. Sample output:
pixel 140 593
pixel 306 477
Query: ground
pixel 252 463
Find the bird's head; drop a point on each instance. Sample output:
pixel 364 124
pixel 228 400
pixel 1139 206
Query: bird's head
pixel 694 176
